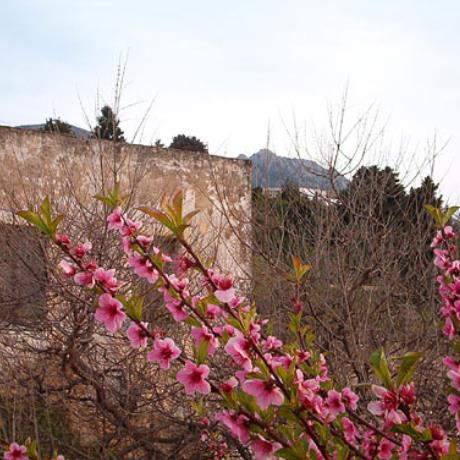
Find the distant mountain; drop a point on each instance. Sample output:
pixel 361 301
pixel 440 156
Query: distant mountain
pixel 78 132
pixel 273 171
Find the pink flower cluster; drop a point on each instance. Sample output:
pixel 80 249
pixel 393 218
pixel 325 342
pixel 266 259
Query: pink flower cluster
pixel 16 452
pixel 266 374
pixel 445 251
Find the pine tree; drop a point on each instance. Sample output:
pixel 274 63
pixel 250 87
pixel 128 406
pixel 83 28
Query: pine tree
pixel 108 126
pixel 56 125
pixel 183 142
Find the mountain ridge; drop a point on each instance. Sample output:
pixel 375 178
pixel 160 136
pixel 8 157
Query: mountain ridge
pixel 270 170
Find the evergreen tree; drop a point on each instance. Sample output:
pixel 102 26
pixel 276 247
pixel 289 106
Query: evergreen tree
pixel 158 144
pixel 183 142
pixel 376 193
pixel 56 125
pixel 108 126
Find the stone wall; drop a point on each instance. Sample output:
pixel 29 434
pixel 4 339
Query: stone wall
pixel 72 171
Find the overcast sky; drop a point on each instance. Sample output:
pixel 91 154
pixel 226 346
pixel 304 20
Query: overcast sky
pixel 228 72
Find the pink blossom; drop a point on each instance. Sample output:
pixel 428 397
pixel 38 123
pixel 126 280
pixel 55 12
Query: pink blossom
pixel 407 393
pixel 449 232
pixel 441 447
pixel 89 266
pixel 405 448
pixel 176 309
pixel 106 278
pixel 85 279
pixel 454 404
pixel 369 443
pixel 454 269
pixel 64 240
pixel 179 285
pixel 449 329
pixel 110 312
pixel 114 220
pixel 387 406
pixel 229 385
pixel 68 269
pixel 454 376
pixel 164 351
pixel 334 403
pixel 350 398
pixel 307 391
pixel 440 443
pixel 303 356
pixel 451 363
pixel 137 335
pixel 80 251
pixel 226 328
pixel 212 311
pixel 174 306
pixel 143 268
pixel 182 264
pixel 437 240
pixel 349 430
pixel 127 245
pixel 254 330
pixel 272 343
pixel 281 360
pixel 385 450
pixel 441 259
pixel 237 424
pixel 263 449
pixel 16 452
pixel 225 292
pixel 129 228
pixel 323 368
pixel 238 348
pixel 193 378
pixel 312 447
pixel 202 334
pixel 265 392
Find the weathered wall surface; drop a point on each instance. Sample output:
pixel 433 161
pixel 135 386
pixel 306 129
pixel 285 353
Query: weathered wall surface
pixel 34 164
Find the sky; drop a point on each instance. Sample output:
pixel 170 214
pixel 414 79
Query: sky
pixel 245 74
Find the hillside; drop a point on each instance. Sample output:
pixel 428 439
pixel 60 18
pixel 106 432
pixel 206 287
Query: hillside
pixel 273 171
pixel 78 132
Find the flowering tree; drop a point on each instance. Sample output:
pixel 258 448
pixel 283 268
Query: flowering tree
pixel 275 398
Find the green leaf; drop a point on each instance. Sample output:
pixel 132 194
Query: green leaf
pixel 189 216
pixel 380 366
pixel 159 216
pixel 134 307
pixel 407 367
pixel 106 200
pixel 177 202
pixel 34 219
pixel 55 223
pixel 300 269
pixel 286 412
pixel 45 209
pixel 288 454
pixel 449 213
pixel 436 213
pixel 342 452
pixel 192 321
pixel 31 448
pixel 202 352
pixel 407 429
pixel 453 454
